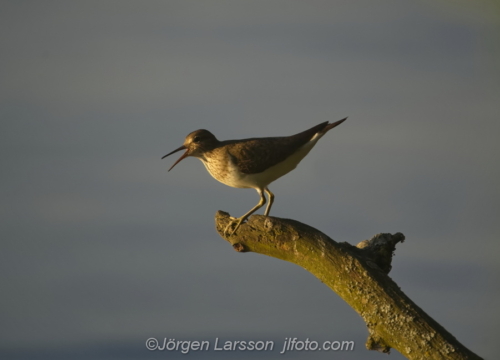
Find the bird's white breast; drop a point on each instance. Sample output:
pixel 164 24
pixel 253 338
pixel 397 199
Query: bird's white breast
pixel 225 171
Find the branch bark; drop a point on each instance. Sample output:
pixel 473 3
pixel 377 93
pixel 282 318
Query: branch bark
pixel 358 274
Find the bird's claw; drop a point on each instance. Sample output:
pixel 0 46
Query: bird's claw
pixel 228 231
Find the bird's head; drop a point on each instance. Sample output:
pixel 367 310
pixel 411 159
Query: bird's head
pixel 195 144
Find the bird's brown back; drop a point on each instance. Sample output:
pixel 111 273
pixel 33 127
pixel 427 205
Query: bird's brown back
pixel 253 156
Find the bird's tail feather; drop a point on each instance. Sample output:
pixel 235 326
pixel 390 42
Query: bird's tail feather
pixel 332 125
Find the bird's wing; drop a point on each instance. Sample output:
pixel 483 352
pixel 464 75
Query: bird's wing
pixel 253 156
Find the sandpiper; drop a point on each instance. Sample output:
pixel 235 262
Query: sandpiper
pixel 251 163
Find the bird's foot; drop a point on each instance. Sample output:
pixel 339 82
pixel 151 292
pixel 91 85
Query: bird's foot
pixel 236 222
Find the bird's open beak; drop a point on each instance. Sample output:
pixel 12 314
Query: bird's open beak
pixel 179 160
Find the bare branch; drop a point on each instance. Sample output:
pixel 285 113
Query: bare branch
pixel 358 274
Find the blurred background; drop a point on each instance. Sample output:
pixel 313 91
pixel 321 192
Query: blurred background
pixel 101 248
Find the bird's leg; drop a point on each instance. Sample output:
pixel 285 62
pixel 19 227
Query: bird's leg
pixel 239 221
pixel 271 200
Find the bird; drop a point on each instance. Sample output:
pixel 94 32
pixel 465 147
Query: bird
pixel 251 163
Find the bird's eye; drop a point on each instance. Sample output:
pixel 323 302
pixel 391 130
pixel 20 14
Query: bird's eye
pixel 196 139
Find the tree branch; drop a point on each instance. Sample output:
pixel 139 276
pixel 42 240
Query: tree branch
pixel 358 274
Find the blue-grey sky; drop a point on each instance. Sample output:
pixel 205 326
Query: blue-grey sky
pixel 102 248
